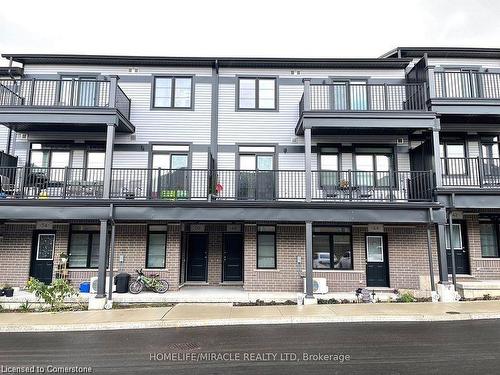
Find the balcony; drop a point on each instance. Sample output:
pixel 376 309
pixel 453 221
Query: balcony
pixel 476 172
pixel 466 92
pixel 363 106
pixel 218 185
pixel 64 105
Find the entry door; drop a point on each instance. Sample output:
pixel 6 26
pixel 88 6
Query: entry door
pixel 460 249
pixel 377 262
pixel 233 257
pixel 197 248
pixel 42 256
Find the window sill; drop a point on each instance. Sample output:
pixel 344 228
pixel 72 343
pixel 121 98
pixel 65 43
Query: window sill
pixel 257 110
pixel 487 258
pixel 171 109
pixel 266 270
pixel 155 270
pixel 88 269
pixel 336 271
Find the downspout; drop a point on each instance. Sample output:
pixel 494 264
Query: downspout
pixel 109 303
pixel 214 131
pixel 9 134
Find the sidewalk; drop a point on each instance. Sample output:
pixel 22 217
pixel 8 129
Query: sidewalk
pixel 190 315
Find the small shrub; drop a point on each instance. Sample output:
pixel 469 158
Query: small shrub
pixel 330 301
pixel 406 297
pixel 53 294
pixel 487 297
pixel 25 306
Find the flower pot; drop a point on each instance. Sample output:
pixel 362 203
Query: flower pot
pixel 8 292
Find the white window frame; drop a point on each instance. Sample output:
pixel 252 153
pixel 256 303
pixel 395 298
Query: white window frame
pixel 38 245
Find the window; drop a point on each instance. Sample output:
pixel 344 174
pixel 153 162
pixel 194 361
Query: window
pixel 489 239
pixel 266 247
pixel 79 90
pixel 95 165
pixel 329 166
pixel 172 92
pixel 457 236
pixel 332 248
pixel 257 93
pixel 84 246
pixel 45 246
pixel 170 156
pixel 490 150
pixel 95 159
pixel 256 179
pixel 454 154
pixel 375 249
pixel 45 157
pixel 349 95
pixel 373 167
pixel 171 180
pixel 157 241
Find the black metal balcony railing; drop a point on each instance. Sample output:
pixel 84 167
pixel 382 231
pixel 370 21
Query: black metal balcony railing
pixel 471 172
pixel 78 93
pixel 200 184
pixel 372 186
pixel 365 97
pixel 467 85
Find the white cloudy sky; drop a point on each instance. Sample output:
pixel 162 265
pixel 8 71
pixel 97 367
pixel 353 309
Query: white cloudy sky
pixel 272 28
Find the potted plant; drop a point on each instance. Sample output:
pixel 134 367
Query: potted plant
pixel 8 291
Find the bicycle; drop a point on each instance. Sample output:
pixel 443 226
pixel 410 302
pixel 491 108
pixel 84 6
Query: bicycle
pixel 151 282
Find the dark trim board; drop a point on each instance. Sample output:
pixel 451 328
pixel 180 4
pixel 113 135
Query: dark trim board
pixel 327 121
pixel 241 212
pixel 470 198
pixel 230 62
pixel 35 118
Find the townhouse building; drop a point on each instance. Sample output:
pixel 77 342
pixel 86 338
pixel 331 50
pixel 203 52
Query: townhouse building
pixel 261 173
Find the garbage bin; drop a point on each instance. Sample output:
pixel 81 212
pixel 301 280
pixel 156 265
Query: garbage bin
pixel 121 282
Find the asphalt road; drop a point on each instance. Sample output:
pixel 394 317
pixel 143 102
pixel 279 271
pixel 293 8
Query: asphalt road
pixel 461 347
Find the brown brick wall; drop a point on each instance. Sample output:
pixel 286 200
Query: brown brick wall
pixel 130 241
pixel 407 257
pixel 408 260
pixel 15 251
pixel 481 268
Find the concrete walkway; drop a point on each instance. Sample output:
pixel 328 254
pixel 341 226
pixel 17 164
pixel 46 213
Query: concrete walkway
pixel 190 315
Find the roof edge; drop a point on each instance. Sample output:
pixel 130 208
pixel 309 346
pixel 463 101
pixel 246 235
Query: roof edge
pixel 204 61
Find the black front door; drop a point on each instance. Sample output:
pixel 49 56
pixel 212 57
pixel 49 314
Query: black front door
pixel 460 249
pixel 197 248
pixel 233 257
pixel 377 261
pixel 42 255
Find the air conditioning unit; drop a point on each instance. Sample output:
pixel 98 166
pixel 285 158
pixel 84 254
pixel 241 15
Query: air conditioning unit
pixel 319 285
pixel 93 285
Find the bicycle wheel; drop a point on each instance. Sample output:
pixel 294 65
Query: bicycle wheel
pixel 162 286
pixel 136 287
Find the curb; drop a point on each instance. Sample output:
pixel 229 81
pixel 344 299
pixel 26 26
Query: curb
pixel 231 322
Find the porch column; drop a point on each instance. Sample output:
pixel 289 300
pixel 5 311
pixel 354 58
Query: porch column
pixel 308 175
pixel 108 163
pixel 443 262
pixel 111 260
pixel 450 236
pixel 429 251
pixel 101 271
pixel 438 174
pixel 309 261
pixel 430 79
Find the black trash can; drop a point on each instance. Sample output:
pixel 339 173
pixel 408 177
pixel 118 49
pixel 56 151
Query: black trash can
pixel 121 282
